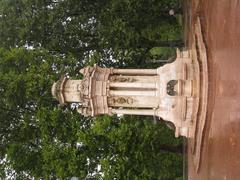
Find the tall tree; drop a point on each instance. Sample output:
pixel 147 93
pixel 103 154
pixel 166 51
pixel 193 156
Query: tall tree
pixel 38 138
pixel 131 147
pixel 31 121
pixel 90 25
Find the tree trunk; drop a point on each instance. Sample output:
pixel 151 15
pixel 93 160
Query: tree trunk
pixel 146 43
pixel 172 149
pixel 173 43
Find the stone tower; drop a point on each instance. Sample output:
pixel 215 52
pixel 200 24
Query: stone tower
pixel 169 92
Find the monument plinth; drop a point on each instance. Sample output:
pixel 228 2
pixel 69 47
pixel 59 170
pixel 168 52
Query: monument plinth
pixel 169 92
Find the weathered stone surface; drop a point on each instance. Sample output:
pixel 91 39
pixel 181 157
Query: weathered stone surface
pixel 168 92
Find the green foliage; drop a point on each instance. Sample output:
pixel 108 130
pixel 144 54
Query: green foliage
pixel 81 28
pixel 29 116
pixel 42 140
pixel 162 52
pixel 136 149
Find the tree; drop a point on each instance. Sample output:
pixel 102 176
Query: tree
pixel 131 147
pixel 82 27
pixel 31 121
pixel 43 39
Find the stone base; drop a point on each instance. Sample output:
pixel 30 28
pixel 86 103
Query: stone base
pixel 199 55
pixel 179 100
pixel 187 110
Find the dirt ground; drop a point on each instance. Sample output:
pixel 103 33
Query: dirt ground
pixel 220 156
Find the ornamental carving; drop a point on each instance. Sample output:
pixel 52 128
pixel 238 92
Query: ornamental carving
pixel 121 100
pixel 83 87
pixel 86 71
pixel 170 88
pixel 121 79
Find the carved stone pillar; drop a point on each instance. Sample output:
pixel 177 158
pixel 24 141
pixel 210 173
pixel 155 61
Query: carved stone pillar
pixel 135 71
pixel 133 93
pixel 146 112
pixel 133 85
pixel 131 78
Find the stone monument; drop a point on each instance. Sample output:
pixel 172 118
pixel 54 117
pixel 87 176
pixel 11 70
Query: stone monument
pixel 169 92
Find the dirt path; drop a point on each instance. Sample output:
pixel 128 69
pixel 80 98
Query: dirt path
pixel 221 147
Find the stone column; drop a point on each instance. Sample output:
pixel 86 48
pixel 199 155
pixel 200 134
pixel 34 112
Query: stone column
pixel 135 71
pixel 132 93
pixel 134 78
pixel 133 85
pixel 146 112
